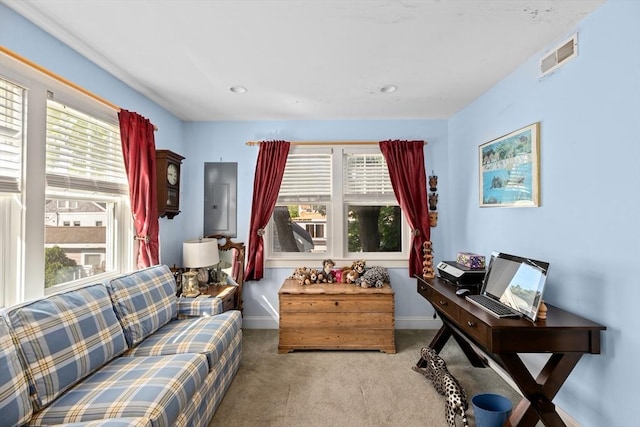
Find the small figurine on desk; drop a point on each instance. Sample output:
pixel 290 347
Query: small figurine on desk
pixel 542 311
pixel 427 265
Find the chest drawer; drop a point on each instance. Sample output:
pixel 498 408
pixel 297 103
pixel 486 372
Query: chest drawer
pixel 336 303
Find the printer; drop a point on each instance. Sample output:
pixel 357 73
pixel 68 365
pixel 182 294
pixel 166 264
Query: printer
pixel 460 275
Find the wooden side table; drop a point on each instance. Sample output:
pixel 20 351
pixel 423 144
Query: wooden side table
pixel 228 294
pixel 336 316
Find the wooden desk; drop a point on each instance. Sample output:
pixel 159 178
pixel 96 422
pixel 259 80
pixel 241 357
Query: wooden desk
pixel 337 316
pixel 566 336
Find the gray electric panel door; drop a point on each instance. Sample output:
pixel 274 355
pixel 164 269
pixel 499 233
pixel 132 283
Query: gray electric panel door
pixel 220 199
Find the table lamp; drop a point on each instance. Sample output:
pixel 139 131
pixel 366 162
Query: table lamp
pixel 198 254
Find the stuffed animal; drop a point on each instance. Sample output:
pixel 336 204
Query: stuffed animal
pixel 349 276
pixel 313 275
pixel 358 266
pixel 375 277
pixel 337 275
pixel 299 274
pixel 327 269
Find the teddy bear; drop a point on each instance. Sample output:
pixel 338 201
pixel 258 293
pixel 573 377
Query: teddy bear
pixel 313 275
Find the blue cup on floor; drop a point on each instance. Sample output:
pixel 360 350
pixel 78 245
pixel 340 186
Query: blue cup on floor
pixel 491 410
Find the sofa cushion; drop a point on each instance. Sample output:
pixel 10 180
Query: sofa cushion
pixel 65 337
pixel 15 406
pixel 112 422
pixel 206 401
pixel 157 388
pixel 200 306
pixel 144 301
pixel 210 336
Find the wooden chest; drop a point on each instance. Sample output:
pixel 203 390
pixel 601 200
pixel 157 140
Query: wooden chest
pixel 336 316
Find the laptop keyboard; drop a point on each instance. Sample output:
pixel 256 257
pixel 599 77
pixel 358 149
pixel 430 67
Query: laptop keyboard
pixel 492 306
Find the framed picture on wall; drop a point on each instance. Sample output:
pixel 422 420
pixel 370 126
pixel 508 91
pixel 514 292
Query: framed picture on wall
pixel 509 169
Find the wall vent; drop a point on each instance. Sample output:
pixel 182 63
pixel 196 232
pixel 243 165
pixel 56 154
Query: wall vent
pixel 560 55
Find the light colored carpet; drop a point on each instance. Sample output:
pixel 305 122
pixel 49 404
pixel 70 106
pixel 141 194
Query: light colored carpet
pixel 345 388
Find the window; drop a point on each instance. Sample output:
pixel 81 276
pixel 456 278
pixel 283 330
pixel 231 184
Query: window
pixel 336 203
pixel 12 132
pixel 65 133
pixel 86 182
pixel 373 216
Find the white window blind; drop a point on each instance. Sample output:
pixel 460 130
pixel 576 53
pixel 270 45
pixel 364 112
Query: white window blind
pixel 366 178
pixel 11 135
pixel 83 153
pixel 307 178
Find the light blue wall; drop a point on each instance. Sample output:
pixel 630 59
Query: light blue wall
pixel 20 36
pixel 588 226
pixel 225 141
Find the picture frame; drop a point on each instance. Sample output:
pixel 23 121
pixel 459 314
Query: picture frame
pixel 510 169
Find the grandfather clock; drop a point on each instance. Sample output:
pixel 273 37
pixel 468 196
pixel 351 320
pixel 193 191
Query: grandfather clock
pixel 168 182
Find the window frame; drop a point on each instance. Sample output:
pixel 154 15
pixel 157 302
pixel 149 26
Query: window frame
pixel 24 255
pixel 335 228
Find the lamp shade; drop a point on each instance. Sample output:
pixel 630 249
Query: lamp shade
pixel 200 253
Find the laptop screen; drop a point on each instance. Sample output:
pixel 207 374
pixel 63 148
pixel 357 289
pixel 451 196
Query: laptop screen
pixel 517 282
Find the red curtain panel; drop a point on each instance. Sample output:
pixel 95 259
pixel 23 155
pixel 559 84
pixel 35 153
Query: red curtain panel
pixel 272 158
pixel 139 151
pixel 405 161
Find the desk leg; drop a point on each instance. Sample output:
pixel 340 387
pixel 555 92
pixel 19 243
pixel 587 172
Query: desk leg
pixel 538 394
pixel 441 338
pixel 438 341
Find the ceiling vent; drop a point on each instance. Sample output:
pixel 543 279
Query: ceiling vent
pixel 559 56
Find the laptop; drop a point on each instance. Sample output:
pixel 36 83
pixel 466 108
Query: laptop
pixel 512 287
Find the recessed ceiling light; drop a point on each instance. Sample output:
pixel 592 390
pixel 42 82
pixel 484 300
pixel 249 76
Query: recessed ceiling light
pixel 238 89
pixel 388 88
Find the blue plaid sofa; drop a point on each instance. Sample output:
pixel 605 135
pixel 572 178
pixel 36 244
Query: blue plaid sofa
pixel 126 352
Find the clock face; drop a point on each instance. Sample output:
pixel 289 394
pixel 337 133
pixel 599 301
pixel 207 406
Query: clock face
pixel 172 174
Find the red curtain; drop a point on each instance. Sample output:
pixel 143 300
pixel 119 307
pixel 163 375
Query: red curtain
pixel 272 159
pixel 139 151
pixel 405 161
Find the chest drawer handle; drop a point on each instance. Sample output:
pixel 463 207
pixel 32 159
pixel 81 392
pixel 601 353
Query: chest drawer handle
pixel 471 324
pixel 443 302
pixel 336 303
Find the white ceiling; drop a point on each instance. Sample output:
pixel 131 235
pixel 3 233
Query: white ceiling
pixel 308 59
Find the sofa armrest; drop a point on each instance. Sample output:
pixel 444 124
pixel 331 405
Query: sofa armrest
pixel 199 306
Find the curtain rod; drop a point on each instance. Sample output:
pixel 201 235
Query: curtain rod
pixel 60 79
pixel 251 143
